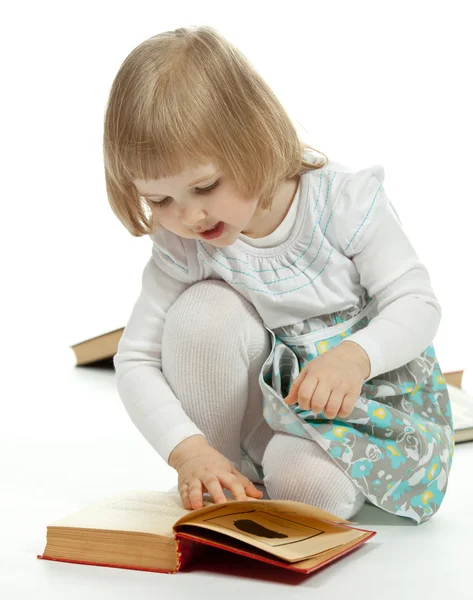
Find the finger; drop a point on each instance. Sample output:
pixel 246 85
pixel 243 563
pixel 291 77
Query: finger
pixel 184 493
pixel 333 404
pixel 348 405
pixel 320 397
pixel 291 398
pixel 232 483
pixel 214 488
pixel 306 391
pixel 196 499
pixel 252 490
pixel 248 485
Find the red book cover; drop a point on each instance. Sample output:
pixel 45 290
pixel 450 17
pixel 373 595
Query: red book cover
pixel 186 554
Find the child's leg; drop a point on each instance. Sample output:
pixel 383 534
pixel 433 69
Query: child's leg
pixel 213 348
pixel 299 469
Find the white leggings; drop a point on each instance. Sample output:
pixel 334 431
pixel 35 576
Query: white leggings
pixel 214 346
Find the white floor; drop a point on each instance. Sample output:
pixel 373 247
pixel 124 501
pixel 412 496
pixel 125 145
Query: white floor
pixel 77 445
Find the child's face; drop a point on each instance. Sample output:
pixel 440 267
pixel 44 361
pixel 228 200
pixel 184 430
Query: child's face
pixel 187 209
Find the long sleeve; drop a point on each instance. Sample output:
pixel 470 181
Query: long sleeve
pixel 389 268
pixel 142 387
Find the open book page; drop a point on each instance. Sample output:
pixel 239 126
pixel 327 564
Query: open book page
pixel 454 378
pixel 462 408
pixel 275 527
pixel 139 511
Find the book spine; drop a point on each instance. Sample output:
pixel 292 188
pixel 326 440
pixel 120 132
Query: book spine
pixel 188 550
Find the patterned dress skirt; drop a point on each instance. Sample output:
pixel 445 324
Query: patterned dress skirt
pixel 397 444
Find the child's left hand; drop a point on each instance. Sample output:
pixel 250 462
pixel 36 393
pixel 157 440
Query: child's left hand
pixel 331 382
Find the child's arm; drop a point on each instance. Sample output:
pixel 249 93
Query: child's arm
pixel 142 387
pixel 409 313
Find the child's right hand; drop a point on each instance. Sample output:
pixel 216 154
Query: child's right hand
pixel 205 469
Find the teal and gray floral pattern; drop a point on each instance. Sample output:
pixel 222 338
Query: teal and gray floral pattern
pixel 397 444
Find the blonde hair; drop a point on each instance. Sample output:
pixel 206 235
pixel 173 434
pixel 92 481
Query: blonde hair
pixel 187 97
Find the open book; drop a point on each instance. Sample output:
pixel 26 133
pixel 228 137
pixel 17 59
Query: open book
pixel 462 407
pixel 151 531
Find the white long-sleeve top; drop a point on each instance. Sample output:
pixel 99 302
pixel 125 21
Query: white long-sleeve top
pixel 340 236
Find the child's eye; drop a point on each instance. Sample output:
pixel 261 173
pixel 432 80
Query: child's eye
pixel 161 202
pixel 202 190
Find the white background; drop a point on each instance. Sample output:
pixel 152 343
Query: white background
pixel 365 82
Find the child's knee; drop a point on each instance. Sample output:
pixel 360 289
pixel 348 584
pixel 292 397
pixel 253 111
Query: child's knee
pixel 300 470
pixel 211 307
pixel 197 302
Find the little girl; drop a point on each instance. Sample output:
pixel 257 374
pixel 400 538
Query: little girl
pixel 283 333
